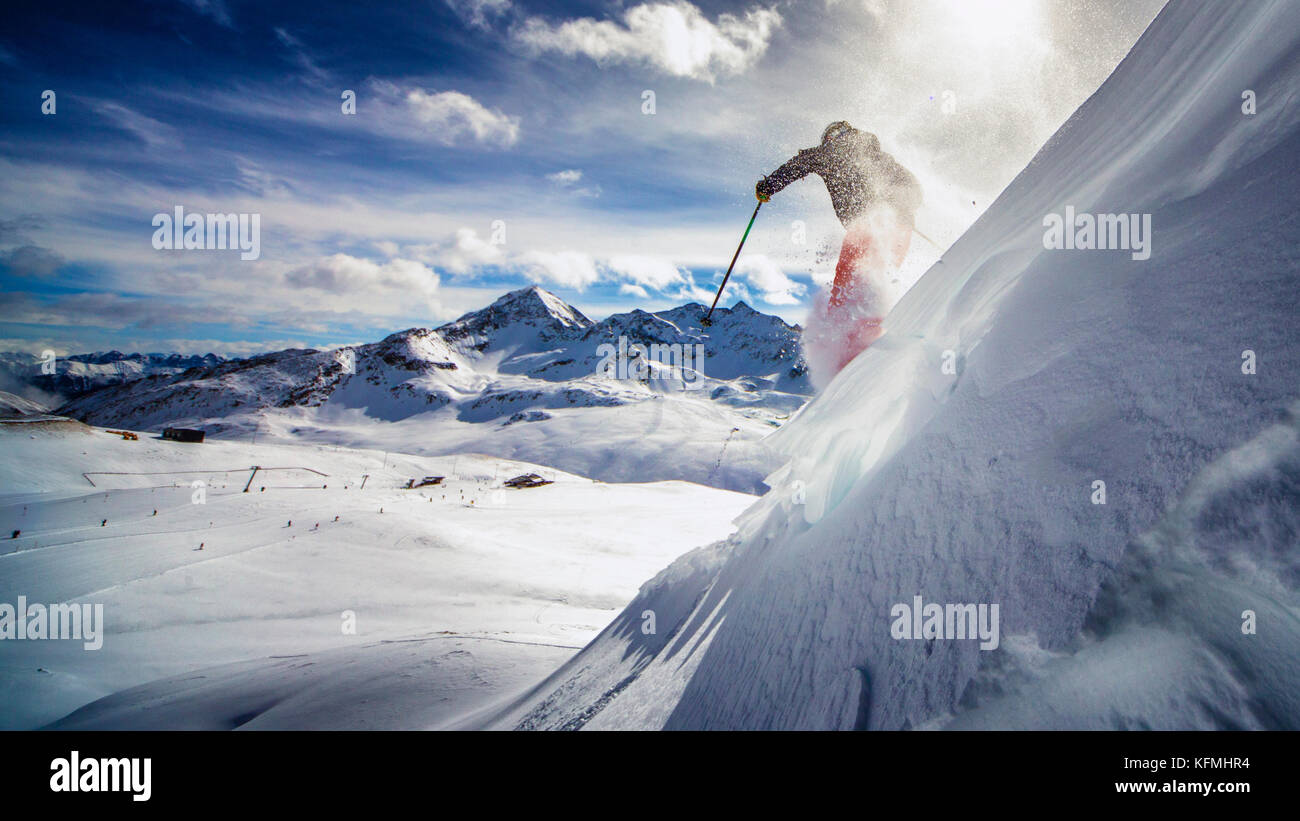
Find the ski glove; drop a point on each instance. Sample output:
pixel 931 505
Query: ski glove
pixel 764 190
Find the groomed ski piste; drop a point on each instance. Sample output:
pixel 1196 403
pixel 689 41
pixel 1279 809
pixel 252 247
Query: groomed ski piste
pixel 416 606
pixel 1123 605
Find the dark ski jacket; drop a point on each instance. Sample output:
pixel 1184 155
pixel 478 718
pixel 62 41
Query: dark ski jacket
pixel 857 175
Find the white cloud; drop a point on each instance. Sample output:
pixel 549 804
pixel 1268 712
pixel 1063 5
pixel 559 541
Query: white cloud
pixel 654 272
pixel 633 290
pixel 451 115
pixel 673 37
pixel 569 176
pixel 345 274
pixel 736 292
pixel 478 13
pixel 875 8
pixel 155 134
pixel 459 255
pixel 774 287
pixel 216 9
pixel 694 293
pixel 300 55
pixel 256 179
pixel 570 269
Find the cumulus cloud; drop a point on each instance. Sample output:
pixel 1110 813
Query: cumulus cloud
pixel 653 272
pixel 736 292
pixel 570 269
pixel 460 254
pixel 674 38
pixel 568 180
pixel 771 283
pixel 690 292
pixel 569 176
pixel 346 274
pixel 452 116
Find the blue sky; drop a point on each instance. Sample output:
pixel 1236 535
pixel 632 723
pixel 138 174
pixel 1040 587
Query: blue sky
pixel 483 120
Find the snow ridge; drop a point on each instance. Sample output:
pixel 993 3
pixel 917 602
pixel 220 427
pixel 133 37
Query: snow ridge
pixel 904 479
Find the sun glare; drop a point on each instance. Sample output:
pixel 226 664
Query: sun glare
pixel 993 25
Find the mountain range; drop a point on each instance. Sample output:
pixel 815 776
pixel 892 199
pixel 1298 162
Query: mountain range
pixel 527 360
pixel 71 376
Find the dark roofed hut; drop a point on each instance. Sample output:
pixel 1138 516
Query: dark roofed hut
pixel 183 434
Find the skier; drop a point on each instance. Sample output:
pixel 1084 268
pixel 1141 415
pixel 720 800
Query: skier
pixel 875 199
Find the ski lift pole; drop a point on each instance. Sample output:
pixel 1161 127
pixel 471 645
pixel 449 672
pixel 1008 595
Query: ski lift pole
pixel 706 321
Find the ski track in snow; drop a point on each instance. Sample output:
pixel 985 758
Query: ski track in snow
pixel 531 576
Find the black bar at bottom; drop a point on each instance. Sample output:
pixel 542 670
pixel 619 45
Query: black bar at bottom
pixel 641 771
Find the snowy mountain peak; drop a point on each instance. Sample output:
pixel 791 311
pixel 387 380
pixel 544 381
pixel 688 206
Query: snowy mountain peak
pixel 526 316
pixel 532 302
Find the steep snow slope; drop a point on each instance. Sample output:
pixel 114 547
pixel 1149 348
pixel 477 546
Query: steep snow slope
pixel 1072 367
pixel 15 407
pixel 463 592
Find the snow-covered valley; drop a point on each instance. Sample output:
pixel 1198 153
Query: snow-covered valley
pixel 528 377
pixel 460 591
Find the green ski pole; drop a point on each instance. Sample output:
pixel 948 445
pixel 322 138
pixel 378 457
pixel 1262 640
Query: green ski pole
pixel 706 322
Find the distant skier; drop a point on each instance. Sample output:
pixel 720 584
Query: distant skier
pixel 876 200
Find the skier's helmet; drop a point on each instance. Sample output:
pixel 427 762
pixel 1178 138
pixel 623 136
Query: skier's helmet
pixel 836 130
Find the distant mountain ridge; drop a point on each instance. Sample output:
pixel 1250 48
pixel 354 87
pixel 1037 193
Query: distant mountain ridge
pixel 77 374
pixel 529 351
